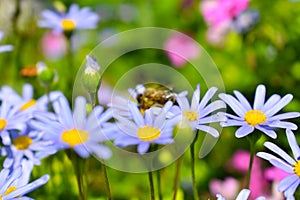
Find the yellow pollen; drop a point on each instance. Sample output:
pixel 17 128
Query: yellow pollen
pixel 148 133
pixel 74 137
pixel 255 117
pixel 3 123
pixel 28 104
pixel 68 24
pixel 190 115
pixel 22 142
pixel 297 168
pixel 9 190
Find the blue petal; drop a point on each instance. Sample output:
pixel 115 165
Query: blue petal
pixel 279 105
pixel 289 193
pixel 244 131
pixel 235 105
pixel 259 98
pixel 196 98
pixel 79 113
pixel 208 129
pixel 242 99
pixel 243 195
pixel 143 147
pixel 282 116
pixel 271 102
pixel 207 97
pixel 287 182
pixel 293 144
pixel 280 152
pixel 269 132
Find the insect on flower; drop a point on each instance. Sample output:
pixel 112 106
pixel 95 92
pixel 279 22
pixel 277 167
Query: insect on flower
pixel 153 95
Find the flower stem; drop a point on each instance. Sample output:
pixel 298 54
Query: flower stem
pixel 151 184
pixel 106 180
pixel 176 178
pixel 252 153
pixel 160 196
pixel 192 150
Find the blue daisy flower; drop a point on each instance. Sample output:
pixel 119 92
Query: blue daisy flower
pixel 198 112
pixel 75 18
pixel 290 165
pixel 30 146
pixel 26 99
pixel 243 195
pixel 14 184
pixel 261 116
pixel 4 48
pixel 245 21
pixel 75 130
pixel 147 129
pixel 11 118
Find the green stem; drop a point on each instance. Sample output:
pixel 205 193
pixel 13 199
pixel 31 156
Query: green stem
pixel 106 180
pixel 151 184
pixel 160 196
pixel 252 153
pixel 192 150
pixel 176 178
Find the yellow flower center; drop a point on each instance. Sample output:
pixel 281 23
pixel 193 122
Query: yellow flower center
pixel 22 142
pixel 254 117
pixel 9 190
pixel 190 115
pixel 3 123
pixel 28 104
pixel 68 24
pixel 74 137
pixel 297 168
pixel 148 133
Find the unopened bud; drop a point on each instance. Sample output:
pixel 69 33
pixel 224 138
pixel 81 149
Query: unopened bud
pixel 45 74
pixel 91 77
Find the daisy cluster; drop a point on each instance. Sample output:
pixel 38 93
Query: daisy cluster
pixel 31 132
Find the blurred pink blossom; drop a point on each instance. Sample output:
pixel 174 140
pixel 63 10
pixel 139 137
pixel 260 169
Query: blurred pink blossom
pixel 216 12
pixel 258 183
pixel 241 159
pixel 275 174
pixel 181 48
pixel 54 45
pixel 228 188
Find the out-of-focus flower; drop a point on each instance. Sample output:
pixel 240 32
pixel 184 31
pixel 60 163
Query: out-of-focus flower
pixel 198 112
pixel 26 100
pixel 240 161
pixel 292 166
pixel 76 131
pixel 228 188
pixel 11 118
pixel 215 34
pixel 181 48
pixel 4 48
pixel 145 130
pixel 245 21
pixel 91 76
pixel 243 195
pixel 261 116
pixel 258 184
pixel 12 183
pixel 54 45
pixel 275 174
pixel 216 12
pixel 75 18
pixel 30 146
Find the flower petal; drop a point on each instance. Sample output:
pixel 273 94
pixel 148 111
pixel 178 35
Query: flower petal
pixel 279 105
pixel 235 105
pixel 287 182
pixel 293 144
pixel 244 131
pixel 259 98
pixel 273 147
pixel 242 99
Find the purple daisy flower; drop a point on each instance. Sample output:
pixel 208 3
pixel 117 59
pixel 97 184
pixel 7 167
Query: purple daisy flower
pixel 75 130
pixel 261 116
pixel 147 129
pixel 243 195
pixel 290 165
pixel 198 112
pixel 75 18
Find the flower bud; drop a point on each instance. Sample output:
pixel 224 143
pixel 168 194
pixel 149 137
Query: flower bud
pixel 91 77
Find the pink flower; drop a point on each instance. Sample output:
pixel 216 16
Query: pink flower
pixel 216 12
pixel 54 45
pixel 241 159
pixel 275 174
pixel 181 48
pixel 228 188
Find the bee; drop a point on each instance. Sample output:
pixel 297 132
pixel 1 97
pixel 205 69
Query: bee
pixel 154 96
